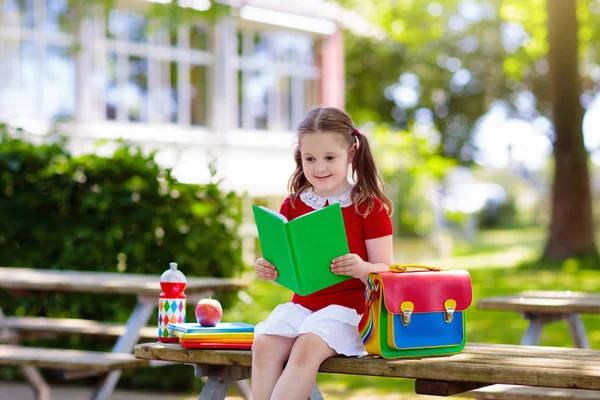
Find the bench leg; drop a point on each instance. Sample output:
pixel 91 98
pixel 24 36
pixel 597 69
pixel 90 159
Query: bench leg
pixel 537 322
pixel 220 379
pixel 216 387
pixel 578 331
pixel 315 393
pixel 107 387
pixel 244 388
pixel 138 319
pixel 32 374
pixel 532 334
pixel 38 383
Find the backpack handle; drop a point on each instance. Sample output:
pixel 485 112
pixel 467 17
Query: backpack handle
pixel 405 267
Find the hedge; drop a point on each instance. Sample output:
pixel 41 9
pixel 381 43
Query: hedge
pixel 122 214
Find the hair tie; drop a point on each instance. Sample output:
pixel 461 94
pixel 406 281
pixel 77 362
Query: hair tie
pixel 355 133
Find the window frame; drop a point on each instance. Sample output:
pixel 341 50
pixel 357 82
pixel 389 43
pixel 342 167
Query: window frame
pixel 41 39
pixel 246 65
pixel 156 53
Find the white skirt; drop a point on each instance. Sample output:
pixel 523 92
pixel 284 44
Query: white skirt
pixel 336 325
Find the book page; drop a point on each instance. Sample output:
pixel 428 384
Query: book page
pixel 317 238
pixel 275 245
pixel 275 213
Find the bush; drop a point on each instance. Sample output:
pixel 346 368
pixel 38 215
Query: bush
pixel 121 214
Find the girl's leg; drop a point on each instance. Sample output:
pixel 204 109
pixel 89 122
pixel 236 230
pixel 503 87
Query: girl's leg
pixel 300 373
pixel 269 354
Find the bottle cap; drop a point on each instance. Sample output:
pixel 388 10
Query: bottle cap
pixel 173 274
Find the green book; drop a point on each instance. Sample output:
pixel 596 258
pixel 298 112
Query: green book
pixel 302 249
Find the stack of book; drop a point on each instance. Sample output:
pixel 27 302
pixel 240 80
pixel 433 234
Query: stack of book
pixel 225 335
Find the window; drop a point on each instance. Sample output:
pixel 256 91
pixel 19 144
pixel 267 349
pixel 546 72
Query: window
pixel 277 79
pixel 153 75
pixel 126 67
pixel 37 62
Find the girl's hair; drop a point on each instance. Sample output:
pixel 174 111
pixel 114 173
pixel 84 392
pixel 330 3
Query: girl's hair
pixel 367 182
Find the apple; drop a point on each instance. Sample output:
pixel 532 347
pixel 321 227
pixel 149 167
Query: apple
pixel 209 312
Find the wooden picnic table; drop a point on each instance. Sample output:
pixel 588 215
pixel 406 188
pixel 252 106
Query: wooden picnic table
pixel 478 365
pixel 145 286
pixel 104 282
pixel 542 307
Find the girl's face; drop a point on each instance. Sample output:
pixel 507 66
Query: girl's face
pixel 325 159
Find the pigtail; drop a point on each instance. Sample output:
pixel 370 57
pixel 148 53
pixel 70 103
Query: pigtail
pixel 298 181
pixel 367 182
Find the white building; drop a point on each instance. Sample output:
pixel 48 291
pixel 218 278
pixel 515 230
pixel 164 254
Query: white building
pixel 232 91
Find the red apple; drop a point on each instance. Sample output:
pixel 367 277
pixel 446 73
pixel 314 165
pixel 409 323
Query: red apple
pixel 209 312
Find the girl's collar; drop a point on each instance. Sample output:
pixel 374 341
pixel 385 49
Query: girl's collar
pixel 313 200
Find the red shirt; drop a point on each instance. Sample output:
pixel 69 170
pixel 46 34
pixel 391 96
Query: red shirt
pixel 350 293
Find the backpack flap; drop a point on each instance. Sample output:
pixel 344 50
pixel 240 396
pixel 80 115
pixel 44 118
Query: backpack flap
pixel 426 308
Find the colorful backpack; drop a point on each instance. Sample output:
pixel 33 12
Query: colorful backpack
pixel 415 313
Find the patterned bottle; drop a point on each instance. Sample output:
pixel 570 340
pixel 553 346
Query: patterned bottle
pixel 171 305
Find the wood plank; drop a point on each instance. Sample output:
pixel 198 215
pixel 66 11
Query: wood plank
pixel 515 350
pixel 444 388
pixel 40 326
pixel 559 294
pixel 513 392
pixel 544 302
pixel 578 372
pixel 104 282
pixel 512 355
pixel 67 359
pixel 522 361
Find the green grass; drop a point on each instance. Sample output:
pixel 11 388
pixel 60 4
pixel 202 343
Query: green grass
pixel 493 264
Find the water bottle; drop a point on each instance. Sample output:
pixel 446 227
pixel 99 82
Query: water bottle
pixel 171 304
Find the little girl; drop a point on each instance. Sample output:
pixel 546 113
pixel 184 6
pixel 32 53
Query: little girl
pixel 312 328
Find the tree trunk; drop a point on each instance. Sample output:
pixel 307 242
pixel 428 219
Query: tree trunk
pixel 571 227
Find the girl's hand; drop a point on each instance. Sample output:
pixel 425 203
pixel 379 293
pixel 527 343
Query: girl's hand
pixel 350 264
pixel 265 271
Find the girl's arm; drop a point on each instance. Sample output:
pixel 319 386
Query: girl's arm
pixel 379 255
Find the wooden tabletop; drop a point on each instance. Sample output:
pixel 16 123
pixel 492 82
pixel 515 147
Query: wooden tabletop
pixel 103 282
pixel 554 302
pixel 540 366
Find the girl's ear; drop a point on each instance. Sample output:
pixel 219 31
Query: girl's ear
pixel 351 154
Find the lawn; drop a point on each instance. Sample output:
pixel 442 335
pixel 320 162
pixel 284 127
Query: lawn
pixel 493 262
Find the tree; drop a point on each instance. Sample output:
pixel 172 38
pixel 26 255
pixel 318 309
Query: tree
pixel 571 227
pixel 440 40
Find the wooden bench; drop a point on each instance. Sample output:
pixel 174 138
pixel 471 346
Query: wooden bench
pixel 42 327
pixel 145 286
pixel 31 358
pixel 43 357
pixel 18 328
pixel 541 307
pixel 478 365
pixel 514 392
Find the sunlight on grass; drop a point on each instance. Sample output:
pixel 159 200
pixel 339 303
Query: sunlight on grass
pixel 492 262
pixel 511 257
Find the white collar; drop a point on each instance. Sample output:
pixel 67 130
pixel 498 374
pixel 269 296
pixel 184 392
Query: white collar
pixel 313 200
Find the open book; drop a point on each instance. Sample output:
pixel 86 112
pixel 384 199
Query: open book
pixel 302 249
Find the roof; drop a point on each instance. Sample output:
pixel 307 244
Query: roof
pixel 320 9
